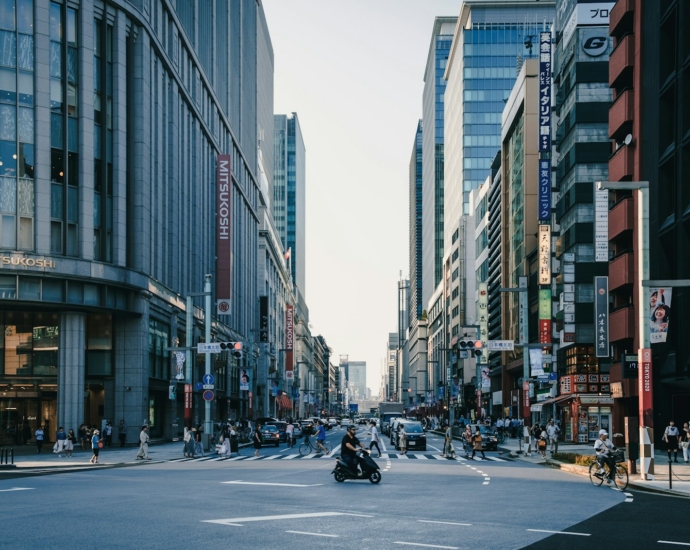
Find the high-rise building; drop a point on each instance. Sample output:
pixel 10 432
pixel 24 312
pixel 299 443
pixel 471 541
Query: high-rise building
pixel 358 379
pixel 415 220
pixel 433 155
pixel 113 116
pixel 289 193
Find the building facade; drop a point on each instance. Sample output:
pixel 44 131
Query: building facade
pixel 113 115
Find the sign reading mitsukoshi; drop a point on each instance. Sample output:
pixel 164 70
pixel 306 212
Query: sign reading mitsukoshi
pixel 223 240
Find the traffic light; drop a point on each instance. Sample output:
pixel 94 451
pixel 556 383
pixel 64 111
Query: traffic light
pixel 474 347
pixel 172 392
pixel 233 347
pixel 467 345
pixel 478 348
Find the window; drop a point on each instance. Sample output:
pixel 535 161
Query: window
pixel 99 344
pixel 159 357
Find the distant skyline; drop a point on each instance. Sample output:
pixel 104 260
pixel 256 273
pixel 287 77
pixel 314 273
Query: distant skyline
pixel 353 72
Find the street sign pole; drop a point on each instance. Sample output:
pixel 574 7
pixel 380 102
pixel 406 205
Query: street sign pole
pixel 208 428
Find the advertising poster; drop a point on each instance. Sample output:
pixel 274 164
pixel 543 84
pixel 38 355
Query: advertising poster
pixel 486 379
pixel 455 388
pixel 245 379
pixel 275 388
pixel 659 314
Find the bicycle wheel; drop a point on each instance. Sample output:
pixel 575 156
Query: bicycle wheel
pixel 304 449
pixel 596 480
pixel 621 478
pixel 329 447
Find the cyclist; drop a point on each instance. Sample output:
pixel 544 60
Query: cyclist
pixel 603 448
pixel 320 438
pixel 289 431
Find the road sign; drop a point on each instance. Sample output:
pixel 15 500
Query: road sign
pixel 501 345
pixel 208 386
pixel 208 395
pixel 208 379
pixel 198 386
pixel 213 347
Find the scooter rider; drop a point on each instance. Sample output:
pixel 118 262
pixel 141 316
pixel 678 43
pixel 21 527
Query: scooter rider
pixel 348 448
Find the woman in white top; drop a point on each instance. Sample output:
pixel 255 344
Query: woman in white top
pixel 402 440
pixel 374 437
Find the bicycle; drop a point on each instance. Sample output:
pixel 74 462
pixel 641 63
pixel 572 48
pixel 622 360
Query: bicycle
pixel 621 476
pixel 244 435
pixel 501 437
pixel 307 447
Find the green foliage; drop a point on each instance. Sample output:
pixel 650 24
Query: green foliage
pixel 574 458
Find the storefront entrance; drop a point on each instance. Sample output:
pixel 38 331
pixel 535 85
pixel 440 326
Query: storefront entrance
pixel 21 416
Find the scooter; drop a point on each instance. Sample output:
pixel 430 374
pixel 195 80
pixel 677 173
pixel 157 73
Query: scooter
pixel 370 470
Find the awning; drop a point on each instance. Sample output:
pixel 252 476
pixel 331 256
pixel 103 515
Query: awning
pixel 283 402
pixel 585 399
pixel 558 399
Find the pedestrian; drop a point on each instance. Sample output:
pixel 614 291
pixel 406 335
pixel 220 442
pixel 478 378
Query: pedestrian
pixel 671 434
pixel 499 425
pixel 96 445
pixel 60 441
pixel 542 441
pixel 38 435
pixel 257 439
pixel 108 434
pixel 374 437
pixel 122 433
pixel 82 436
pixel 71 440
pixel 143 453
pixel 477 444
pixel 289 431
pixel 685 441
pixel 534 432
pixel 224 450
pixel 552 432
pixel 198 443
pixel 402 440
pixel 188 443
pixel 234 443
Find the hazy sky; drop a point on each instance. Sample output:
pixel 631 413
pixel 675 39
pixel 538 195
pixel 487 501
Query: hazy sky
pixel 353 72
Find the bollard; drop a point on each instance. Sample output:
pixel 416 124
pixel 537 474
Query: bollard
pixel 670 475
pixel 12 456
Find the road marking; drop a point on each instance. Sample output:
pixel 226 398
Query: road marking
pixel 559 532
pixel 485 483
pixel 286 449
pixel 444 522
pixel 672 542
pixel 254 458
pixel 238 458
pixel 239 521
pixel 273 457
pixel 435 448
pixel 403 457
pixel 312 534
pixel 384 455
pixel 290 457
pixel 421 457
pixel 269 484
pixel 487 478
pixel 16 489
pixel 426 545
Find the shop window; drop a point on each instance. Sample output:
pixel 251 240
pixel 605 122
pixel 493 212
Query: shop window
pixel 8 288
pixel 159 356
pixel 46 342
pixel 53 291
pixel 75 292
pixel 91 297
pixel 99 345
pixel 29 288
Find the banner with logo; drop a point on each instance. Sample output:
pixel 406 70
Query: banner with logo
pixel 601 315
pixel 289 342
pixel 645 388
pixel 544 190
pixel 245 379
pixel 263 319
pixel 544 92
pixel 486 377
pixel 223 234
pixel 659 314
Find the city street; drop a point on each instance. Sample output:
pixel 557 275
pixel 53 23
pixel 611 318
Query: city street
pixel 283 499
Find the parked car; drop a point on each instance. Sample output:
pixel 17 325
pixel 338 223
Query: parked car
pixel 333 422
pixel 270 435
pixel 281 428
pixel 416 437
pixel 361 420
pixel 489 437
pixel 346 422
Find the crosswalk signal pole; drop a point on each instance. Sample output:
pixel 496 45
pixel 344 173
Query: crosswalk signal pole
pixel 208 428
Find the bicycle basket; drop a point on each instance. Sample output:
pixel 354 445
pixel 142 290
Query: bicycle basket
pixel 618 456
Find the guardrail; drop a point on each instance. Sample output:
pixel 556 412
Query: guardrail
pixel 6 454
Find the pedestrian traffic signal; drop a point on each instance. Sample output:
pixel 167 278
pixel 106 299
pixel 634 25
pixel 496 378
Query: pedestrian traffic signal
pixel 233 347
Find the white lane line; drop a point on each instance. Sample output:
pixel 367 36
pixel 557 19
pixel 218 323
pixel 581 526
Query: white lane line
pixel 421 457
pixel 238 458
pixel 672 542
pixel 272 457
pixel 269 484
pixel 385 449
pixel 239 521
pixel 444 522
pixel 426 545
pixel 485 483
pixel 312 534
pixel 286 449
pixel 254 458
pixel 559 532
pixel 17 489
pixel 333 452
pixel 434 448
pixel 384 455
pixel 290 457
pixel 495 459
pixel 487 478
pixel 403 457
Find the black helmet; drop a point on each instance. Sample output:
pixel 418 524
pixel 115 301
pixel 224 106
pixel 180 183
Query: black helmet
pixel 351 427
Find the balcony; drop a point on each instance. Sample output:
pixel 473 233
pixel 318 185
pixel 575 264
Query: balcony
pixel 621 164
pixel 622 271
pixel 622 324
pixel 622 61
pixel 621 114
pixel 621 218
pixel 621 17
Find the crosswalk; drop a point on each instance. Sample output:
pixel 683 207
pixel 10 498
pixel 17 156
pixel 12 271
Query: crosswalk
pixel 398 456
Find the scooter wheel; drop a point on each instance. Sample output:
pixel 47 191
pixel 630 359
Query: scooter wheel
pixel 339 477
pixel 375 477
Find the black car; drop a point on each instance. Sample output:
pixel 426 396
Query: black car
pixel 270 435
pixel 281 428
pixel 416 437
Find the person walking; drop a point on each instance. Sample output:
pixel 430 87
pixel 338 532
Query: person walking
pixel 402 440
pixel 81 432
pixel 541 442
pixel 198 443
pixel 71 440
pixel 374 438
pixel 143 453
pixel 96 445
pixel 289 431
pixel 477 444
pixel 108 434
pixel 234 443
pixel 448 436
pixel 552 432
pixel 38 435
pixel 60 441
pixel 122 433
pixel 188 443
pixel 257 439
pixel 685 441
pixel 671 435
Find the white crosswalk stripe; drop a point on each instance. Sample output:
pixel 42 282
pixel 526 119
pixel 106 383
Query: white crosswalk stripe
pixel 334 453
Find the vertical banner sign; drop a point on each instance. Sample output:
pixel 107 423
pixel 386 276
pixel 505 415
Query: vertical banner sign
pixel 544 254
pixel 645 387
pixel 523 311
pixel 601 225
pixel 659 314
pixel 545 315
pixel 188 405
pixel 289 342
pixel 526 412
pixel 245 379
pixel 544 92
pixel 601 313
pixel 544 331
pixel 223 235
pixel 544 190
pixel 483 320
pixel 263 319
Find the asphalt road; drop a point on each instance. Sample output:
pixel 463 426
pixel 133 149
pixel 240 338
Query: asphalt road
pixel 276 501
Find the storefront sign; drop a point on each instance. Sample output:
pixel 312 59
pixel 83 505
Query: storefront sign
pixel 544 190
pixel 659 314
pixel 645 387
pixel 263 319
pixel 289 341
pixel 525 399
pixel 601 315
pixel 536 362
pixel 566 385
pixel 223 235
pixel 601 225
pixel 523 310
pixel 545 92
pixel 483 320
pixel 545 303
pixel 17 260
pixel 544 331
pixel 587 15
pixel 544 254
pixel 629 366
pixel 617 390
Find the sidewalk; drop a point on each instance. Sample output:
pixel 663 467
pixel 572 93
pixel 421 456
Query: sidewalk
pixel 660 484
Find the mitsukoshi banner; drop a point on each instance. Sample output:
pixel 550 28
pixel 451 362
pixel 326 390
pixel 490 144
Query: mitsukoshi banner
pixel 659 314
pixel 223 235
pixel 289 342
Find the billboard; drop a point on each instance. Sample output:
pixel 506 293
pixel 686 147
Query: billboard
pixel 275 388
pixel 545 92
pixel 659 314
pixel 245 379
pixel 223 235
pixel 544 254
pixel 544 190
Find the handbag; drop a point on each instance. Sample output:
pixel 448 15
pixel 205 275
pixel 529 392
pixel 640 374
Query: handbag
pixel 100 444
